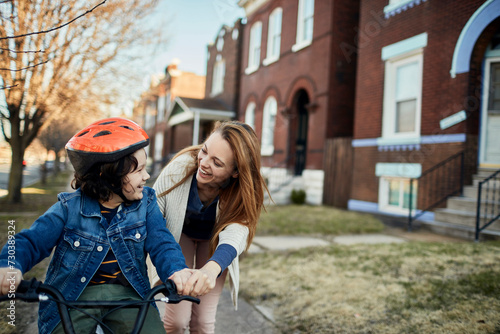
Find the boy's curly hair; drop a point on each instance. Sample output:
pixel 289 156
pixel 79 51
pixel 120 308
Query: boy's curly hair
pixel 104 179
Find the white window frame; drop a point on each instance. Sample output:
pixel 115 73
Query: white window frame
pixel 383 198
pixel 218 77
pixel 254 48
pixel 250 114
pixel 268 123
pixel 158 152
pixel 274 36
pixel 389 109
pixel 303 18
pixel 161 109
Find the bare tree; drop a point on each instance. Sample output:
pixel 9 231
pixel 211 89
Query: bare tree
pixel 55 56
pixel 55 135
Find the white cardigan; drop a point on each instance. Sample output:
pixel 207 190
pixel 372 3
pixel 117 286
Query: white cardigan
pixel 173 206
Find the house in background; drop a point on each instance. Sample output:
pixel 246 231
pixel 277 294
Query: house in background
pixel 297 91
pixel 154 109
pixel 427 116
pixel 191 120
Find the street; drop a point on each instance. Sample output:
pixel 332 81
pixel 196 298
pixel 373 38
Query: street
pixel 31 174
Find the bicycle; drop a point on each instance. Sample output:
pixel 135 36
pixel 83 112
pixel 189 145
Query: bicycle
pixel 36 291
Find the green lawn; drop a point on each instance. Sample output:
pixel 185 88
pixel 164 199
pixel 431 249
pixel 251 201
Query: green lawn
pixel 315 220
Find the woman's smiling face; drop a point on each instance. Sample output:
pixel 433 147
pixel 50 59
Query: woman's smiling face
pixel 215 162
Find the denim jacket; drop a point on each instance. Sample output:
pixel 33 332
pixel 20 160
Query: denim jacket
pixel 75 227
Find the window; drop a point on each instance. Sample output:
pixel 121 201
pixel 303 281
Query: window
pixel 168 103
pixel 250 115
pixel 161 109
pixel 268 122
pixel 274 36
pixel 158 156
pixel 402 97
pixel 394 194
pixel 397 2
pixel 305 23
pixel 254 48
pixel 218 77
pixel 397 6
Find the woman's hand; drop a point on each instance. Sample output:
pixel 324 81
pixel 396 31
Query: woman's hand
pixel 197 282
pixel 9 280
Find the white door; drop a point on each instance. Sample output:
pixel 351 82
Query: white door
pixel 490 120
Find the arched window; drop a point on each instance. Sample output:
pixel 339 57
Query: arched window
pixel 218 77
pixel 250 114
pixel 268 122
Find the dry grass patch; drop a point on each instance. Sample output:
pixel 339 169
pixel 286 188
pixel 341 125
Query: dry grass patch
pixel 413 287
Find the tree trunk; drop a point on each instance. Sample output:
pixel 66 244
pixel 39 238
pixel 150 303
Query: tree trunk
pixel 16 173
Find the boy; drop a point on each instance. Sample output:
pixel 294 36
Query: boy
pixel 103 232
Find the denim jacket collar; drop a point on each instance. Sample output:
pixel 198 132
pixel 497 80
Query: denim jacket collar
pixel 90 207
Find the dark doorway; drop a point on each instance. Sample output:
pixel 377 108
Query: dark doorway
pixel 302 100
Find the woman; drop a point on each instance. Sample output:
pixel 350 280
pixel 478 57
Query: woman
pixel 212 195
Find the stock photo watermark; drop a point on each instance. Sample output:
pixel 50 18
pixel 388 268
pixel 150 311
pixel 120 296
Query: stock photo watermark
pixel 11 247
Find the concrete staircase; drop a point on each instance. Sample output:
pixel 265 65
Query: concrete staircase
pixel 281 196
pixel 458 219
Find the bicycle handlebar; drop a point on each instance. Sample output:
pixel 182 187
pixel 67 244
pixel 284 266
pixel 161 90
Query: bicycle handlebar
pixel 35 291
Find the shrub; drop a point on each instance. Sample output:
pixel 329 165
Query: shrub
pixel 298 196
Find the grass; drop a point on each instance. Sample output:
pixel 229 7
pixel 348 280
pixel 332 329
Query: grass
pixel 315 220
pixel 412 287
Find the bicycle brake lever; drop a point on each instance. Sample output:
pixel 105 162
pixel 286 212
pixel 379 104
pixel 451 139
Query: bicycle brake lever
pixel 27 290
pixel 173 297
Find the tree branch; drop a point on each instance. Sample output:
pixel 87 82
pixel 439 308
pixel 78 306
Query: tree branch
pixel 25 68
pixel 14 51
pixel 7 87
pixel 55 28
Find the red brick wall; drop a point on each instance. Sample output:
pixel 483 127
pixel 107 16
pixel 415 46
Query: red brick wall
pixel 330 89
pixel 365 182
pixel 442 95
pixel 182 135
pixel 231 53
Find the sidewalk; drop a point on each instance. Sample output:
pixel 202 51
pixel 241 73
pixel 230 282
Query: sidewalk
pixel 253 319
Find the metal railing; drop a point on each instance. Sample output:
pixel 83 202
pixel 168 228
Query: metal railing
pixel 436 185
pixel 488 200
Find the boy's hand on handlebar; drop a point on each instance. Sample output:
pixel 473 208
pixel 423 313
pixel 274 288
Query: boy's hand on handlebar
pixel 203 280
pixel 198 282
pixel 9 280
pixel 180 278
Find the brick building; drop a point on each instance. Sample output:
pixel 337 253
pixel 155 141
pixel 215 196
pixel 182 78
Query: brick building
pixel 154 108
pixel 427 90
pixel 191 120
pixel 297 84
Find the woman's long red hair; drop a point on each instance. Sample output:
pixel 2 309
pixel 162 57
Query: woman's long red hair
pixel 243 200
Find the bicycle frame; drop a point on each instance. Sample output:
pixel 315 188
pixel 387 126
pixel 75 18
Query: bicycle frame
pixel 36 291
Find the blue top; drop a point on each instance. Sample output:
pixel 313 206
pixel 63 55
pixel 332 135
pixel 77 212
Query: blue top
pixel 76 229
pixel 199 223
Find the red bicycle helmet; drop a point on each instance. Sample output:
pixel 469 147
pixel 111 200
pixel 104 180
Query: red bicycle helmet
pixel 106 140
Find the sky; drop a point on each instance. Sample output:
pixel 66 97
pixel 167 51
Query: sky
pixel 192 25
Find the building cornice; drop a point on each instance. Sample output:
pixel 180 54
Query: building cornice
pixel 250 6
